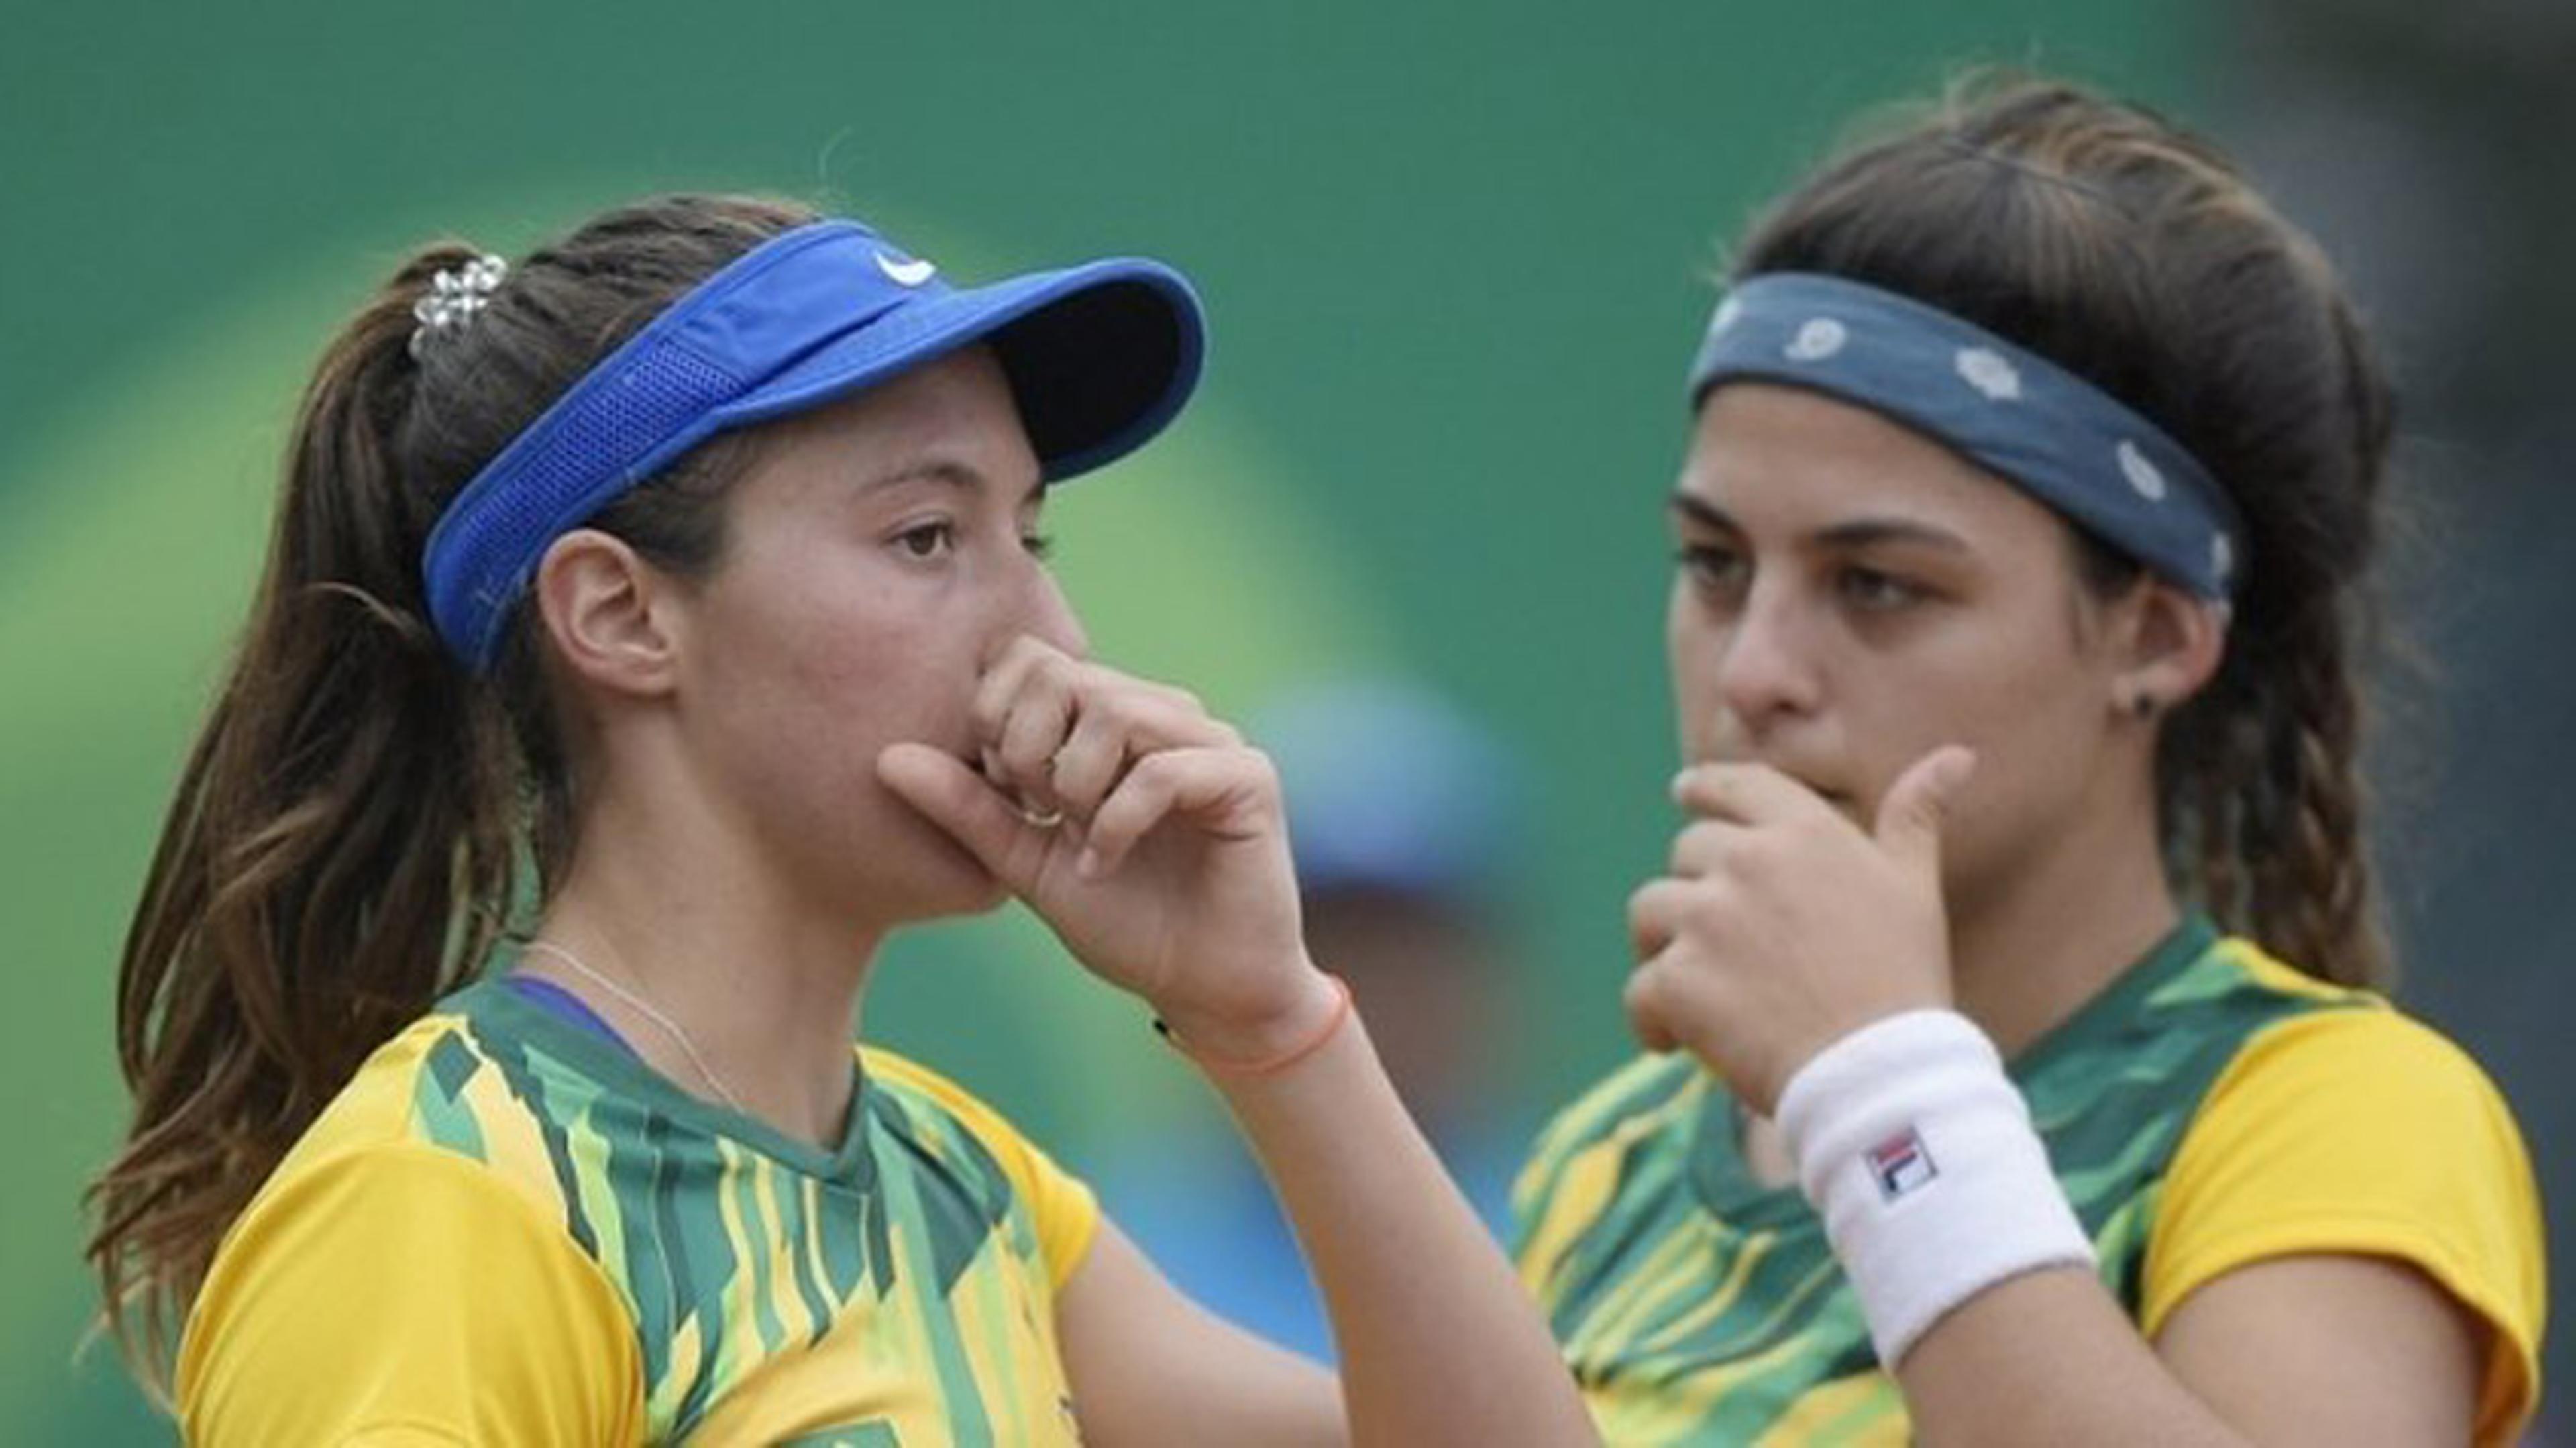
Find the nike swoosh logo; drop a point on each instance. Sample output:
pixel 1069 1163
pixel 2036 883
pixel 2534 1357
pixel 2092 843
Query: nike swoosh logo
pixel 905 273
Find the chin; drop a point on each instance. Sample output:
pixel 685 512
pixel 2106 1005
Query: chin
pixel 981 897
pixel 940 880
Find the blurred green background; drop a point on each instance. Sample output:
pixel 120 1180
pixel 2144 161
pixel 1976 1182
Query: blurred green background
pixel 1455 259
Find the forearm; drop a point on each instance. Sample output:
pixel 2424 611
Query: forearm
pixel 2047 1358
pixel 1438 1341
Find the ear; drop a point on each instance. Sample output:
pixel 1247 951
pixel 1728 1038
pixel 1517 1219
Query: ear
pixel 607 612
pixel 2171 642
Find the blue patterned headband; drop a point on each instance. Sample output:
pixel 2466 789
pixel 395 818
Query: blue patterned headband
pixel 2065 441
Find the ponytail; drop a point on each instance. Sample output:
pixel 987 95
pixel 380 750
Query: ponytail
pixel 343 801
pixel 2266 764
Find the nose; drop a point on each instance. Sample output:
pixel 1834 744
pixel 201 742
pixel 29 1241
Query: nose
pixel 1766 663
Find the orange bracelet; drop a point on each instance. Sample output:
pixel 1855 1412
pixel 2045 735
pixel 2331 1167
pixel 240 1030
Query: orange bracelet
pixel 1285 1059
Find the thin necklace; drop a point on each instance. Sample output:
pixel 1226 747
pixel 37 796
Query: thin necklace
pixel 669 1026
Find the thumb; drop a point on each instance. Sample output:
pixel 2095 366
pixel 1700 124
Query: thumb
pixel 968 807
pixel 1910 817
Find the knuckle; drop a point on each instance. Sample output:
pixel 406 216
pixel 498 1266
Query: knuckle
pixel 1257 764
pixel 1155 772
pixel 1052 675
pixel 1127 712
pixel 1027 750
pixel 1103 685
pixel 1071 768
pixel 1644 990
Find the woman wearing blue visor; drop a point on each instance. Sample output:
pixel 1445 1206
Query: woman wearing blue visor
pixel 651 626
pixel 2022 1080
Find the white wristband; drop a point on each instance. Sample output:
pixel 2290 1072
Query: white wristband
pixel 1918 1152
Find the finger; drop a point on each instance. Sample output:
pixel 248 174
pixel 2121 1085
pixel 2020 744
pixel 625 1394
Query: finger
pixel 1121 719
pixel 1910 817
pixel 1034 726
pixel 969 809
pixel 1150 715
pixel 1744 794
pixel 1003 678
pixel 1655 912
pixel 1094 758
pixel 1173 716
pixel 1704 847
pixel 1644 1001
pixel 1224 788
pixel 1182 711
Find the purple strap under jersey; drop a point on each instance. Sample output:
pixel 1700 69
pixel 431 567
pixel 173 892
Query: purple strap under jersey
pixel 564 1005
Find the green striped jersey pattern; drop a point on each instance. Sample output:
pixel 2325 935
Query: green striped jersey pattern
pixel 1698 1306
pixel 728 1242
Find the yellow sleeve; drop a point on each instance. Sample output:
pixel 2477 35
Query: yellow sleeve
pixel 401 1294
pixel 1065 1210
pixel 2361 1131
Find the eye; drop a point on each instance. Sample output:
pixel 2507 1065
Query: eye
pixel 1876 592
pixel 1712 566
pixel 1040 546
pixel 927 540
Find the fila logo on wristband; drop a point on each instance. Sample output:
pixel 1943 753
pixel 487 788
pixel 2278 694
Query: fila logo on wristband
pixel 1900 1165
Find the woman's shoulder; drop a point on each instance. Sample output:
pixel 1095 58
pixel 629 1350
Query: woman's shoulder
pixel 2363 1081
pixel 423 1154
pixel 378 1277
pixel 2361 1132
pixel 2356 1089
pixel 2363 1052
pixel 433 1099
pixel 381 1104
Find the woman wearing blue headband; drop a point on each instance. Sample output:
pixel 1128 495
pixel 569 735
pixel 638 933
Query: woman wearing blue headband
pixel 2021 1077
pixel 649 629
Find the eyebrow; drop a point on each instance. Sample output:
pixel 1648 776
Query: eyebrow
pixel 948 472
pixel 1855 533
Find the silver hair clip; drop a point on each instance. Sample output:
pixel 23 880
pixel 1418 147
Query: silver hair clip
pixel 455 296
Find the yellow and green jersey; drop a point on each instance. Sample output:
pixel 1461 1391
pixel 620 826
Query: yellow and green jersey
pixel 507 1229
pixel 2213 1108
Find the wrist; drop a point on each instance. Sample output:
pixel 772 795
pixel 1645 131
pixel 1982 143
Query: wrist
pixel 1256 1036
pixel 1764 1088
pixel 1918 1152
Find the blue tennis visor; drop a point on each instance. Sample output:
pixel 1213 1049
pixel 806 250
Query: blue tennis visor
pixel 1099 358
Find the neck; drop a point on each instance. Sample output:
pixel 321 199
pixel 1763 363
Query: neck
pixel 764 986
pixel 2032 951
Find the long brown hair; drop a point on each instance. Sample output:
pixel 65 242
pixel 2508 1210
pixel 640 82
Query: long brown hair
pixel 360 813
pixel 2139 257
